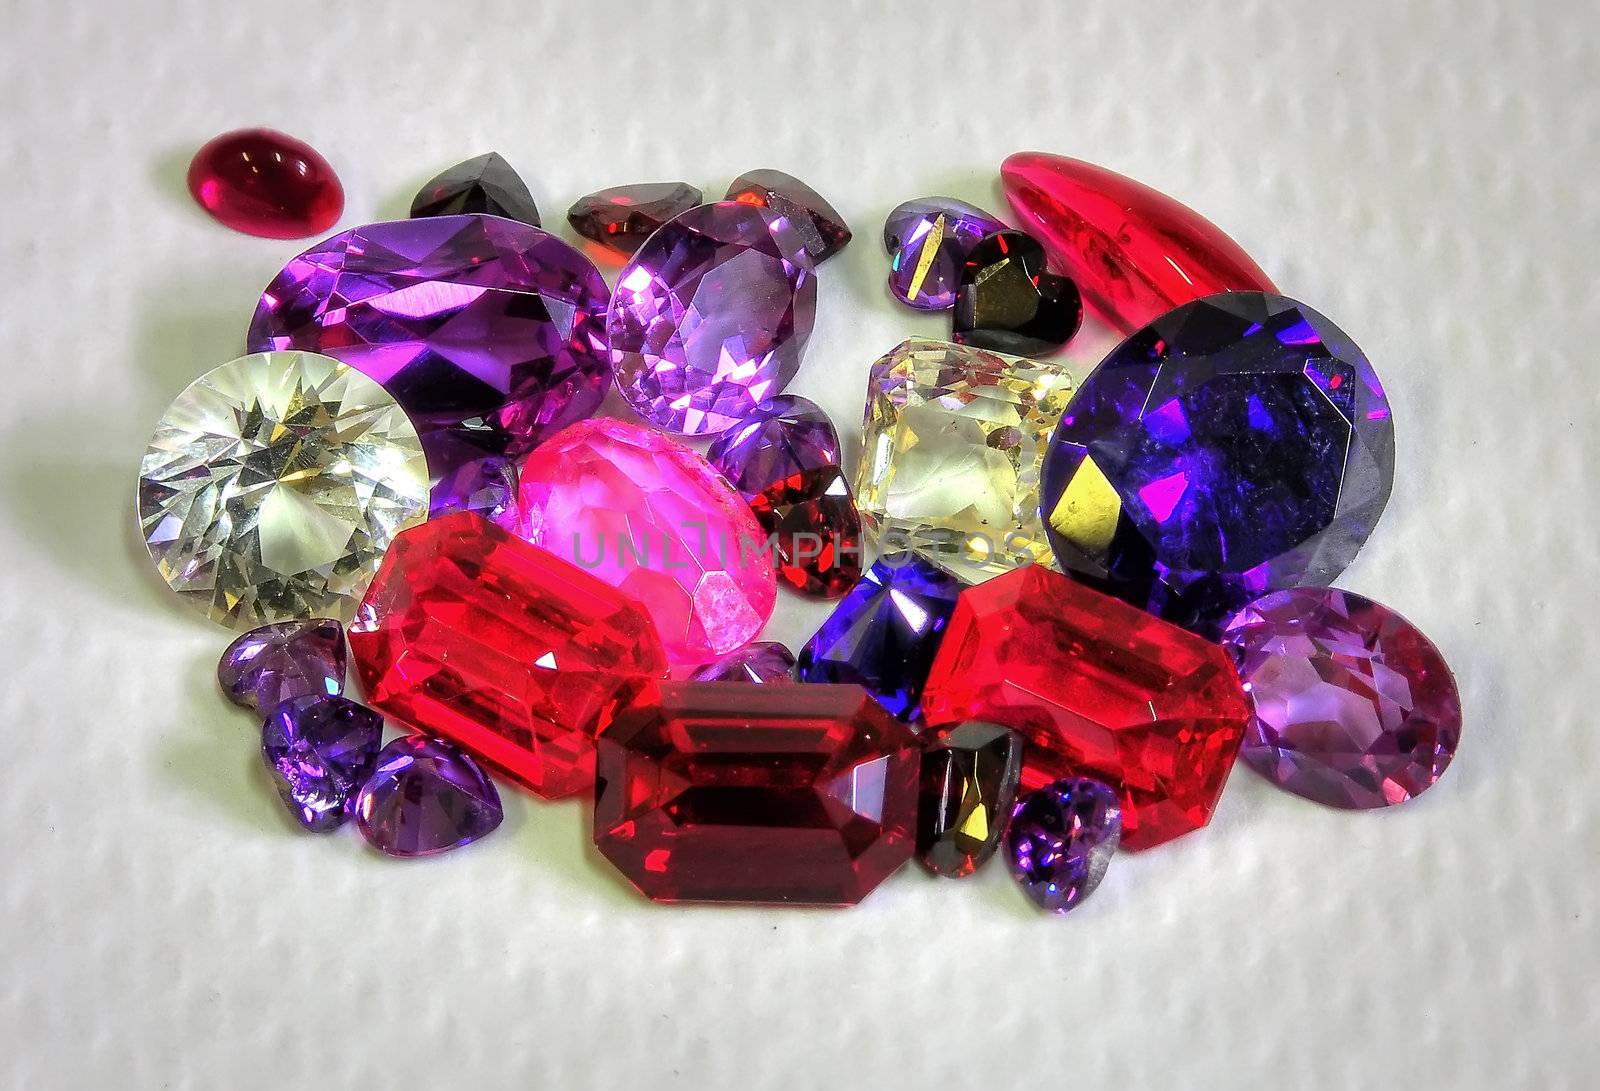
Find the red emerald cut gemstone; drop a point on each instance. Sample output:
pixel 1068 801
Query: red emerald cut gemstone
pixel 771 794
pixel 470 633
pixel 1098 688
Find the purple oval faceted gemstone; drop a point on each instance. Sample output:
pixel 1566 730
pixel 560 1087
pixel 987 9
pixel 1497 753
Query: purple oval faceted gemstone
pixel 1236 445
pixel 426 796
pixel 780 438
pixel 765 662
pixel 488 332
pixel 711 316
pixel 319 751
pixel 928 241
pixel 1061 840
pixel 1353 706
pixel 267 666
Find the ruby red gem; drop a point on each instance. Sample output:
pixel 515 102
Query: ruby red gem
pixel 472 634
pixel 814 531
pixel 770 794
pixel 1098 688
pixel 266 183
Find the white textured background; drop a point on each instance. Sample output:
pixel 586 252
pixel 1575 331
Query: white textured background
pixel 1421 171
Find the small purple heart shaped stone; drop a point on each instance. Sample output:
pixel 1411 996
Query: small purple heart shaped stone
pixel 270 665
pixel 319 750
pixel 425 797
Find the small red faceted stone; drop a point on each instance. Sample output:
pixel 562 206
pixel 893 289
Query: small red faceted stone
pixel 713 792
pixel 518 656
pixel 1098 688
pixel 814 530
pixel 266 183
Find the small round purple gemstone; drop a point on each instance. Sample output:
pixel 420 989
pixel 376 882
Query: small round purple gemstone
pixel 267 666
pixel 764 662
pixel 929 240
pixel 426 796
pixel 780 438
pixel 319 751
pixel 1061 839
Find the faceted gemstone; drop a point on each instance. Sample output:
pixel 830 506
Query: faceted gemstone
pixel 474 635
pixel 1061 840
pixel 320 750
pixel 822 230
pixel 649 516
pixel 1099 688
pixel 1006 301
pixel 1236 445
pixel 487 486
pixel 765 662
pixel 488 332
pixel 266 183
pixel 803 795
pixel 426 797
pixel 779 438
pixel 884 633
pixel 272 486
pixel 954 438
pixel 929 240
pixel 267 666
pixel 969 783
pixel 483 184
pixel 1354 707
pixel 622 217
pixel 814 531
pixel 1133 252
pixel 711 316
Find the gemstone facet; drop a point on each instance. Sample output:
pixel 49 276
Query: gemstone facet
pixel 884 632
pixel 266 183
pixel 1133 252
pixel 267 666
pixel 320 750
pixel 802 795
pixel 1006 301
pixel 487 486
pixel 822 229
pixel 1354 707
pixel 1236 445
pixel 929 240
pixel 273 485
pixel 622 217
pixel 781 437
pixel 813 530
pixel 765 663
pixel 954 439
pixel 487 331
pixel 1096 687
pixel 649 516
pixel 969 783
pixel 474 635
pixel 484 184
pixel 711 317
pixel 426 797
pixel 1062 838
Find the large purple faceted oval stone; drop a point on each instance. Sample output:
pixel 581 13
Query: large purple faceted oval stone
pixel 711 317
pixel 1236 445
pixel 488 332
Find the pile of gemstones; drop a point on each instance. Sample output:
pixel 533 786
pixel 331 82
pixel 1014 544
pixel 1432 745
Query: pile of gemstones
pixel 1088 597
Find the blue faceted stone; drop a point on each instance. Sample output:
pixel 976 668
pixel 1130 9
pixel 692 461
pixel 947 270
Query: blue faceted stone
pixel 1236 445
pixel 884 632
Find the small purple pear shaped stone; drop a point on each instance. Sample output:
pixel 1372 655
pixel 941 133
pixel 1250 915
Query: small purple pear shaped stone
pixel 319 750
pixel 270 665
pixel 426 796
pixel 766 662
pixel 1061 839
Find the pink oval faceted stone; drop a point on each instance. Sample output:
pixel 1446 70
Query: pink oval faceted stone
pixel 651 517
pixel 1353 706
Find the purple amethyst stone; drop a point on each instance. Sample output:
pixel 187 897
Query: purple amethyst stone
pixel 1061 839
pixel 764 663
pixel 486 486
pixel 267 666
pixel 928 240
pixel 781 437
pixel 319 750
pixel 1237 444
pixel 426 796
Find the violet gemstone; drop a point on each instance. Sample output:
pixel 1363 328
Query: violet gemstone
pixel 1238 444
pixel 711 317
pixel 426 796
pixel 765 662
pixel 320 750
pixel 1352 705
pixel 622 217
pixel 780 438
pixel 267 666
pixel 486 485
pixel 928 241
pixel 822 230
pixel 488 332
pixel 1061 840
pixel 485 184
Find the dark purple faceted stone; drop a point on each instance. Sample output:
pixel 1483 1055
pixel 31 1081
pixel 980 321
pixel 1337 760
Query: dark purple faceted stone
pixel 1008 303
pixel 884 633
pixel 764 662
pixel 320 750
pixel 1061 840
pixel 426 796
pixel 1238 444
pixel 928 241
pixel 267 666
pixel 483 184
pixel 783 436
pixel 969 785
pixel 622 217
pixel 822 229
pixel 486 485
